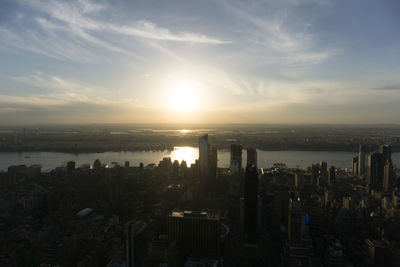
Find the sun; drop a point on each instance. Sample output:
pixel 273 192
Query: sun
pixel 184 96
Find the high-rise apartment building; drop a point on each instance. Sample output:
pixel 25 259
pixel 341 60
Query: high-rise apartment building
pixel 195 233
pixel 332 175
pixel 251 203
pixel 362 160
pixel 388 176
pixel 354 167
pixel 251 156
pixel 236 158
pixel 375 171
pixel 203 154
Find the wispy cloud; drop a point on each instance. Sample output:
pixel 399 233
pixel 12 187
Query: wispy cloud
pixel 284 44
pixel 63 92
pixel 149 30
pixel 76 30
pixel 388 88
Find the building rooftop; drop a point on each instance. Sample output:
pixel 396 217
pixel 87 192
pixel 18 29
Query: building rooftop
pixel 201 263
pixel 195 214
pixel 84 212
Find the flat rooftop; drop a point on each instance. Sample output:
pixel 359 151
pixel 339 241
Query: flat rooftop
pixel 195 214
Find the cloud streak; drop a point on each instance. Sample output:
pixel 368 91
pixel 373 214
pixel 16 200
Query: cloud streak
pixel 63 92
pixel 68 30
pixel 285 45
pixel 388 88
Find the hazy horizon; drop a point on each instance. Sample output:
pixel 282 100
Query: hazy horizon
pixel 194 125
pixel 204 62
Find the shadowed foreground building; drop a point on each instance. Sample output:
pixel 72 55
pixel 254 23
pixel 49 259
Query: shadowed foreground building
pixel 208 163
pixel 135 243
pixel 298 249
pixel 375 171
pixel 236 158
pixel 196 233
pixel 203 154
pixel 362 160
pixel 251 203
pixel 251 156
pixel 388 176
pixel 354 167
pixel 332 176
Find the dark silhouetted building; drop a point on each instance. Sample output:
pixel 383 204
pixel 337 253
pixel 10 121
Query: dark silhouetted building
pixel 208 163
pixel 334 255
pixel 323 167
pixel 212 168
pixel 299 249
pixel 70 166
pixel 97 165
pixel 135 243
pixel 375 171
pixel 378 252
pixel 203 154
pixel 362 160
pixel 388 176
pixel 314 173
pixel 236 158
pixel 130 244
pixel 295 220
pixel 332 175
pixel 251 156
pixel 298 179
pixel 386 152
pixel 251 203
pixel 195 233
pixel 354 167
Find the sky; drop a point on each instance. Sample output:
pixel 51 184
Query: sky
pixel 220 61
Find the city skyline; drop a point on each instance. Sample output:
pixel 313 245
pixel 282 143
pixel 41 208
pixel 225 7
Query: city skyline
pixel 314 61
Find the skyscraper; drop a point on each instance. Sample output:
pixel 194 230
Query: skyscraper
pixel 208 163
pixel 298 179
pixel 386 152
pixel 251 156
pixel 332 175
pixel 212 168
pixel 354 166
pixel 97 165
pixel 203 154
pixel 388 176
pixel 299 248
pixel 295 220
pixel 323 167
pixel 251 203
pixel 130 244
pixel 375 170
pixel 70 166
pixel 314 173
pixel 236 158
pixel 195 233
pixel 361 160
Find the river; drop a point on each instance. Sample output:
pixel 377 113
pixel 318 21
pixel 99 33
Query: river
pixel 301 159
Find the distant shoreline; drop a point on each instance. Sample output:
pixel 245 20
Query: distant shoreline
pixel 68 151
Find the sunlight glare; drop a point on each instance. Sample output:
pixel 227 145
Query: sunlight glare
pixel 184 96
pixel 189 154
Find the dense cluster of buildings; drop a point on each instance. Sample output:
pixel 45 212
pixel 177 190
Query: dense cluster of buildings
pixel 375 167
pixel 171 214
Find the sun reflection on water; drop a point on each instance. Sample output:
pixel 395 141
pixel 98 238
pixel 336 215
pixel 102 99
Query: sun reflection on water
pixel 189 154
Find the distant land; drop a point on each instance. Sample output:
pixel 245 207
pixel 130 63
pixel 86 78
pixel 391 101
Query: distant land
pixel 141 137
